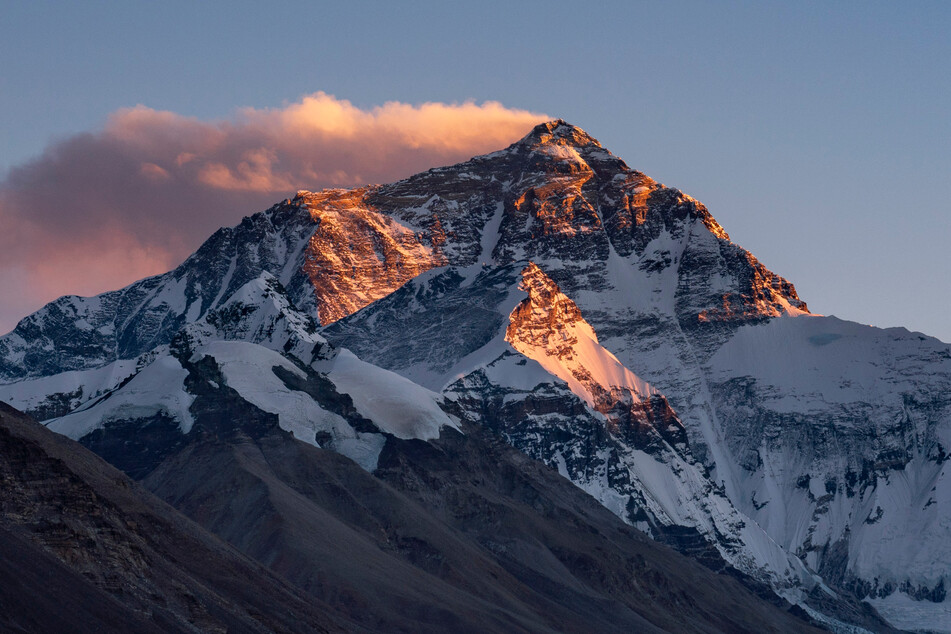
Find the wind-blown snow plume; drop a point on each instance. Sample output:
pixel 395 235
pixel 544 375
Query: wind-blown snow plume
pixel 98 210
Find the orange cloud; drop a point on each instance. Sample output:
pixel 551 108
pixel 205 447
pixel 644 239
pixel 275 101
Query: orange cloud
pixel 98 210
pixel 153 171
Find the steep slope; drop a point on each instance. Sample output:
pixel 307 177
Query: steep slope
pixel 547 327
pixel 83 548
pixel 843 447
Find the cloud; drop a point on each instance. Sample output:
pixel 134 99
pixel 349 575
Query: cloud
pixel 99 210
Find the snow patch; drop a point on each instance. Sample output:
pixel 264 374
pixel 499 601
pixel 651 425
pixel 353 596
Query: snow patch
pixel 158 388
pixel 248 369
pixel 395 404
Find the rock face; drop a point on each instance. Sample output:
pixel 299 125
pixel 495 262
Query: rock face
pixel 457 533
pixel 547 327
pixel 597 320
pixel 358 255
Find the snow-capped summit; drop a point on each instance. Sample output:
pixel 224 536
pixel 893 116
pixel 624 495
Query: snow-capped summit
pixel 596 320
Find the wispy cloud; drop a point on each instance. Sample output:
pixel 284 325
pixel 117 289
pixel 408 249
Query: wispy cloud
pixel 99 210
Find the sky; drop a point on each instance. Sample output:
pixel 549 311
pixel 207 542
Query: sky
pixel 818 134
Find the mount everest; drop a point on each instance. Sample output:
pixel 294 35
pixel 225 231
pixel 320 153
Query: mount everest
pixel 593 319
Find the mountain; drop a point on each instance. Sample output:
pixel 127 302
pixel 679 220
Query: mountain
pixel 550 296
pixel 85 549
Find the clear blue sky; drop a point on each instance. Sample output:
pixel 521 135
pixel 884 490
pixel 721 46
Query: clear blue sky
pixel 817 133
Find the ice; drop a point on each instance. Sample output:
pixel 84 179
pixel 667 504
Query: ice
pixel 30 394
pixel 915 616
pixel 395 404
pixel 248 369
pixel 157 388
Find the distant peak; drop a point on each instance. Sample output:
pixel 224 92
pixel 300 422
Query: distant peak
pixel 558 132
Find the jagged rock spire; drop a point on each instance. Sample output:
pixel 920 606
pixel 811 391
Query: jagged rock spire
pixel 558 132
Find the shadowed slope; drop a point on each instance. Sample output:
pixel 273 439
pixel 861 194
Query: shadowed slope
pixel 83 548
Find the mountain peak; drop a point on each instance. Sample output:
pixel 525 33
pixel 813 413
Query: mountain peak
pixel 558 132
